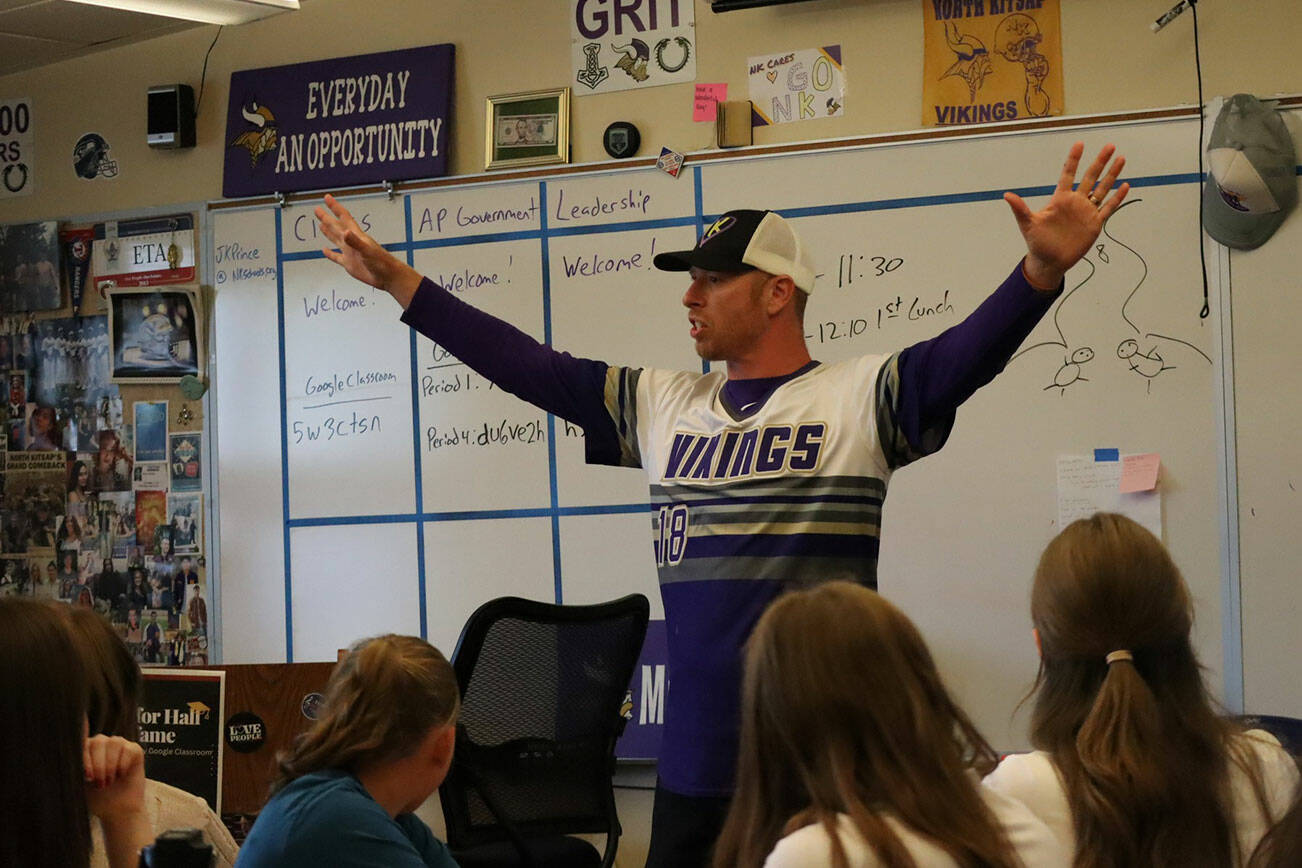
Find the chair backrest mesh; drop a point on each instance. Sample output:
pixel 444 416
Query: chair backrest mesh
pixel 539 716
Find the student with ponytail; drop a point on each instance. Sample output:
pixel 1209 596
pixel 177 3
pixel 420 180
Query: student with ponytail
pixel 854 755
pixel 1134 765
pixel 379 748
pixel 1282 846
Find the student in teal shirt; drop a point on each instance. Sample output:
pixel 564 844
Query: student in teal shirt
pixel 380 747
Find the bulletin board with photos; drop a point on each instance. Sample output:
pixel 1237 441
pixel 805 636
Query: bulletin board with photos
pixel 102 482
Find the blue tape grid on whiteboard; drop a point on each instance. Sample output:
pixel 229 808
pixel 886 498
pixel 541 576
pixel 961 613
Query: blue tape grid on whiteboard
pixel 284 439
pixel 554 511
pixel 415 438
pixel 551 419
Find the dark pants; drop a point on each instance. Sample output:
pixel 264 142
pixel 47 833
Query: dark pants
pixel 684 829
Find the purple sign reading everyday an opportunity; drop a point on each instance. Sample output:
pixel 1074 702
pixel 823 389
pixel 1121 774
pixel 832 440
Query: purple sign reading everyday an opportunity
pixel 340 122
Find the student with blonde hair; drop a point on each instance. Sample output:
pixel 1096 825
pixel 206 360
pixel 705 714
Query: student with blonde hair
pixel 854 755
pixel 1134 764
pixel 380 746
pixel 113 702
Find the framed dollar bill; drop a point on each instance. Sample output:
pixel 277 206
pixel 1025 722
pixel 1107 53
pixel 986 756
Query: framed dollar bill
pixel 528 129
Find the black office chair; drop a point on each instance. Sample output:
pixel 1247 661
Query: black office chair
pixel 1287 729
pixel 541 691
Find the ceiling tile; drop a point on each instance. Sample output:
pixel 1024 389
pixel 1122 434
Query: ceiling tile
pixel 18 53
pixel 6 5
pixel 86 25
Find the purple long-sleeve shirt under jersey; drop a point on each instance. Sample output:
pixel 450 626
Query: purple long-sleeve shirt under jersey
pixel 935 375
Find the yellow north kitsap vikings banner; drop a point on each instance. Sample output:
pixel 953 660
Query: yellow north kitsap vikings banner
pixel 990 60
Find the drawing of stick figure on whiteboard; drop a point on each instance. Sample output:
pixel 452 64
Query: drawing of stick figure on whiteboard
pixel 1071 371
pixel 1148 362
pixel 1147 365
pixel 1017 39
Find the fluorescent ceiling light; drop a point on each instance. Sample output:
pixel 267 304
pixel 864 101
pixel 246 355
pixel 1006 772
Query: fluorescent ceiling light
pixel 207 11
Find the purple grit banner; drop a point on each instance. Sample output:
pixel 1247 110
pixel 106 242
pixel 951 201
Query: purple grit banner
pixel 340 122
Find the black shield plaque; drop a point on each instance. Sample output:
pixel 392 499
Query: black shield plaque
pixel 622 139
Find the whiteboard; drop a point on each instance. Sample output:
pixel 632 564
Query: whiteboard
pixel 431 491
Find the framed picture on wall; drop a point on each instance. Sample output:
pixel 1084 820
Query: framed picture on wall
pixel 528 129
pixel 30 267
pixel 154 334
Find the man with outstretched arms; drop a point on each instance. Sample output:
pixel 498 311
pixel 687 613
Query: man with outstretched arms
pixel 768 476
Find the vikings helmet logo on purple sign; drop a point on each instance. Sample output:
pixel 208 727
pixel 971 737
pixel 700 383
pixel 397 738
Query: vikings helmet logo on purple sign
pixel 263 138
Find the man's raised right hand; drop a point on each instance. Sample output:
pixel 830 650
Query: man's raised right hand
pixel 362 256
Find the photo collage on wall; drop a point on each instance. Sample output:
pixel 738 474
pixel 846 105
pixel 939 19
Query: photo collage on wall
pixel 101 504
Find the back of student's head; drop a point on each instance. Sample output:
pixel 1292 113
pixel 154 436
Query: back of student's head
pixel 1120 702
pixel 42 790
pixel 112 676
pixel 844 712
pixel 1282 846
pixel 382 699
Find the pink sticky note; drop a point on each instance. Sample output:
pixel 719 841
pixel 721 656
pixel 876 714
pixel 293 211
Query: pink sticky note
pixel 706 102
pixel 1139 472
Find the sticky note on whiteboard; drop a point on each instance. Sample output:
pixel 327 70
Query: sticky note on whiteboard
pixel 1088 484
pixel 1139 472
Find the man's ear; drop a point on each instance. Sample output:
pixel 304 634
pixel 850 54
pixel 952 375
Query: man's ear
pixel 781 292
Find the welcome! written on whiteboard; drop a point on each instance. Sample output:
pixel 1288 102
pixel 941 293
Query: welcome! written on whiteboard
pixel 334 302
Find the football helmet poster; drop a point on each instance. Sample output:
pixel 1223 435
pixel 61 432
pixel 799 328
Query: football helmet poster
pixel 91 158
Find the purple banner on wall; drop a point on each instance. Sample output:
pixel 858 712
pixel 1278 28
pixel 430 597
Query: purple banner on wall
pixel 339 122
pixel 645 704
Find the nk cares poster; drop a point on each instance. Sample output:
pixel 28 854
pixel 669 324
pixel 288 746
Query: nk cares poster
pixel 990 60
pixel 798 85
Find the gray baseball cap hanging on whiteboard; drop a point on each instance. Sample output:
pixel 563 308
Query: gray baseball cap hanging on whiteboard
pixel 1251 183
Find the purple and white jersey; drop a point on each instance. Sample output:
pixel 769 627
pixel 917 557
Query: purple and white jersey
pixel 746 506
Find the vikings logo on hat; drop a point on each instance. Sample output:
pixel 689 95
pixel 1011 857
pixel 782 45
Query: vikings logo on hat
pixel 720 225
pixel 90 158
pixel 1232 199
pixel 263 138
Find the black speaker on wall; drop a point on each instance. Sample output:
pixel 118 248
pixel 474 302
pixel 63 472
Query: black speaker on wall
pixel 171 116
